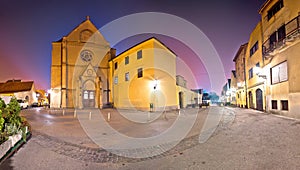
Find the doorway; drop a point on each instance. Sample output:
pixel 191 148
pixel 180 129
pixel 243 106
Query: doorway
pixel 88 98
pixel 259 100
pixel 250 100
pixel 180 100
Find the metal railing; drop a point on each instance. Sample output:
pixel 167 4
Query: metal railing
pixel 291 28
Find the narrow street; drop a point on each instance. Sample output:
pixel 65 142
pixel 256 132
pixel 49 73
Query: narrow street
pixel 250 140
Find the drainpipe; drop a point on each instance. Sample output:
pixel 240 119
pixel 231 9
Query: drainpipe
pixel 246 90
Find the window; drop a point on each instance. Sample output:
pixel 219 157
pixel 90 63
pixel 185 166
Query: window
pixel 279 73
pixel 277 36
pixel 85 35
pixel 273 39
pixel 126 60
pixel 140 72
pixel 284 105
pixel 116 65
pixel 85 95
pixel 254 48
pixel 250 73
pixel 274 104
pixel 257 64
pixel 139 54
pixel 275 8
pixel 127 76
pixel 116 80
pixel 281 33
pixel 91 95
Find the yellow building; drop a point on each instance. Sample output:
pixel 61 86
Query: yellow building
pixel 280 30
pixel 241 85
pixel 271 62
pixel 187 97
pixel 145 75
pixel 253 61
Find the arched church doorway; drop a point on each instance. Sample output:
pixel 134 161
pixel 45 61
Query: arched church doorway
pixel 88 94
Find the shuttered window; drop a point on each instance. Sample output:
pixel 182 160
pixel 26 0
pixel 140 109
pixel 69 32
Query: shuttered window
pixel 279 73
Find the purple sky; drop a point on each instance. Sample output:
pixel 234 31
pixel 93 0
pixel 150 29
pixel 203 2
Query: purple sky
pixel 28 28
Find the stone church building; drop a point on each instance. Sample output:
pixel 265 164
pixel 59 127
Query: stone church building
pixel 80 70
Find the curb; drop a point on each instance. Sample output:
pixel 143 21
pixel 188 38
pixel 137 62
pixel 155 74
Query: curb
pixel 15 148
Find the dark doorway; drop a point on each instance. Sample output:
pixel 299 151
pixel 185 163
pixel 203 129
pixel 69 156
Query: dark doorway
pixel 88 98
pixel 180 100
pixel 250 100
pixel 259 100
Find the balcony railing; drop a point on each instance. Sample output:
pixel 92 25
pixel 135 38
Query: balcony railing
pixel 292 29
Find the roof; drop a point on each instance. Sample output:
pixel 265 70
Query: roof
pixel 146 41
pixel 264 6
pixel 239 51
pixel 13 86
pixel 87 20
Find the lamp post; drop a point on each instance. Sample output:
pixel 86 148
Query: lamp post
pixel 154 86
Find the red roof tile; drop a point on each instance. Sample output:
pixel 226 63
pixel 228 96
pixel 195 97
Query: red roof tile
pixel 13 86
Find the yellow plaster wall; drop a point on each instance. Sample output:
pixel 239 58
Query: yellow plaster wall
pixel 158 64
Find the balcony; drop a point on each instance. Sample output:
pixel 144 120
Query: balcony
pixel 286 33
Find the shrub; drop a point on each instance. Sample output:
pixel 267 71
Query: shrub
pixel 10 120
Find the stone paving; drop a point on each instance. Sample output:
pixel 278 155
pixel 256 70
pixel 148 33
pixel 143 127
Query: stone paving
pixel 99 155
pixel 248 139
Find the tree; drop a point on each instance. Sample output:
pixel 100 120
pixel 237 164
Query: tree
pixel 213 97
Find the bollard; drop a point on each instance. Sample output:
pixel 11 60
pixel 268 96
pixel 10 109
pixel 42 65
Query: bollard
pixel 108 116
pixel 149 116
pixel 179 112
pixel 63 112
pixel 75 113
pixel 90 116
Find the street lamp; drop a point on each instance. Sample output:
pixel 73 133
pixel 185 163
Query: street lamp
pixel 155 84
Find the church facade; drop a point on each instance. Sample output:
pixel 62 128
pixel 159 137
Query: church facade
pixel 79 70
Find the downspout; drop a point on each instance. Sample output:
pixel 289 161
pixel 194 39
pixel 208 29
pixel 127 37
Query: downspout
pixel 67 77
pixel 61 72
pixel 246 88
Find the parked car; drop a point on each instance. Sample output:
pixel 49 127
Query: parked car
pixel 23 104
pixel 35 104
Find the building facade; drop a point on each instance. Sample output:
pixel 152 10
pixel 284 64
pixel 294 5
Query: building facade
pixel 233 87
pixel 256 85
pixel 80 70
pixel 271 60
pixel 86 73
pixel 187 97
pixel 144 75
pixel 24 90
pixel 280 30
pixel 241 86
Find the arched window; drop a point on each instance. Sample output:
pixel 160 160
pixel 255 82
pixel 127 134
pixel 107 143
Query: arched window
pixel 85 35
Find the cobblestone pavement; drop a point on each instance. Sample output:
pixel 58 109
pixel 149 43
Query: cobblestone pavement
pixel 99 155
pixel 43 136
pixel 246 140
